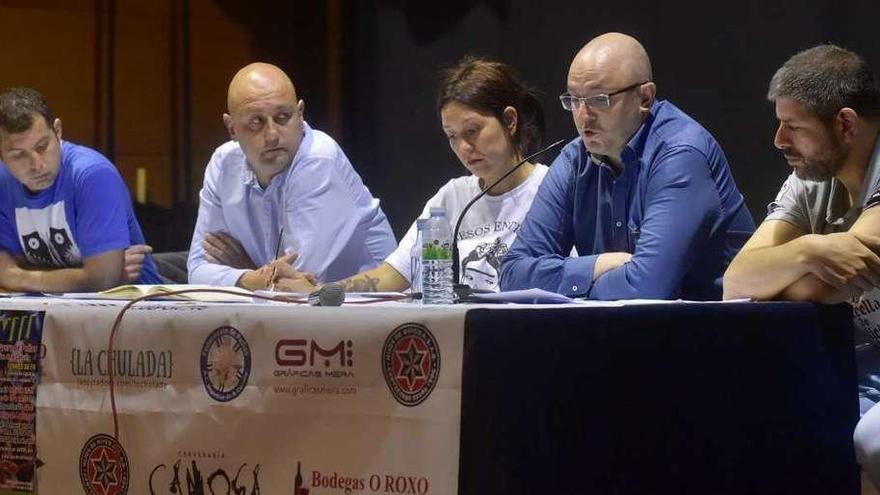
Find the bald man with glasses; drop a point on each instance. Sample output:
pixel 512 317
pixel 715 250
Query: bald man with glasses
pixel 644 193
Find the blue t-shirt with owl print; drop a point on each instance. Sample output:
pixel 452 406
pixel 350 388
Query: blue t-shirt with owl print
pixel 86 212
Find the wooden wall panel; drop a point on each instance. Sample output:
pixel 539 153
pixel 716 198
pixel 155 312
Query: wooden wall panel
pixel 219 47
pixel 49 46
pixel 144 81
pixel 142 94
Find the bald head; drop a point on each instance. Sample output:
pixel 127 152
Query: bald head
pixel 265 118
pixel 256 81
pixel 616 56
pixel 614 72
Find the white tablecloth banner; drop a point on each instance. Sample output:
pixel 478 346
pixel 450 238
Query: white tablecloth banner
pixel 246 399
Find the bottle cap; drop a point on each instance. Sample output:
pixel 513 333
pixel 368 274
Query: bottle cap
pixel 436 211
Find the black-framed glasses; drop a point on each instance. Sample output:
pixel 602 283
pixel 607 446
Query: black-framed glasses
pixel 602 100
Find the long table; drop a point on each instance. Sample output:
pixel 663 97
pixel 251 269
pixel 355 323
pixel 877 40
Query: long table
pixel 396 398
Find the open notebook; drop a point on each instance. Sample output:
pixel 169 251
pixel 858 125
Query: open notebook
pixel 133 291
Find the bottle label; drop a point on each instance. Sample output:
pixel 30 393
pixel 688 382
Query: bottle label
pixel 433 250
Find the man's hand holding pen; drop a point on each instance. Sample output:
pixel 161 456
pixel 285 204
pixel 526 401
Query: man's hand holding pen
pixel 278 274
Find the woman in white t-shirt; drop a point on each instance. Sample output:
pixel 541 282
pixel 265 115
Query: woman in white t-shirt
pixel 492 120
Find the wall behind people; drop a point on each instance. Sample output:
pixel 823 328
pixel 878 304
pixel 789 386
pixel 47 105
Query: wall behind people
pixel 712 60
pixel 145 81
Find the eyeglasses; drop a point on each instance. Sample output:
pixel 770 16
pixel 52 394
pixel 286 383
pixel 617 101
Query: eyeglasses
pixel 603 100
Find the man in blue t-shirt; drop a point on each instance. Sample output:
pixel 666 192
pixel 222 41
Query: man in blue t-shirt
pixel 65 214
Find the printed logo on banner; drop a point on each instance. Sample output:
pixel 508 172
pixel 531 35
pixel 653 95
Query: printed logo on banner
pixel 103 466
pixel 305 360
pixel 225 363
pixel 149 368
pixel 374 483
pixel 21 350
pixel 411 363
pixel 198 472
pixel 299 486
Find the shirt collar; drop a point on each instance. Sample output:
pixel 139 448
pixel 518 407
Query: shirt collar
pixel 635 146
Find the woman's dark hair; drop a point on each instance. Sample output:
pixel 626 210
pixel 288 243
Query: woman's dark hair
pixel 488 86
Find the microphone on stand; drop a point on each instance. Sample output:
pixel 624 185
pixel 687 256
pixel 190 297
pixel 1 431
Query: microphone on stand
pixel 332 294
pixel 463 291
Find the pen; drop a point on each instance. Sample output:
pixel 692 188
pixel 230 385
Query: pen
pixel 277 252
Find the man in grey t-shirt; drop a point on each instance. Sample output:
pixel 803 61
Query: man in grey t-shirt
pixel 820 240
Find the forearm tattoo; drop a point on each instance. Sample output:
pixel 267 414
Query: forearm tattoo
pixel 364 283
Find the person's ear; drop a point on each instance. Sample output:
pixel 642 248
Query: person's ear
pixel 647 93
pixel 510 119
pixel 56 126
pixel 300 108
pixel 227 122
pixel 846 122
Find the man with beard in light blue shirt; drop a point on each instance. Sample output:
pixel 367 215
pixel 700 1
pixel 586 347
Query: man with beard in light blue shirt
pixel 281 188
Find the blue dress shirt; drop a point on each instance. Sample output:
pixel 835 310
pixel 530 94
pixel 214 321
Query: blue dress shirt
pixel 675 207
pixel 329 217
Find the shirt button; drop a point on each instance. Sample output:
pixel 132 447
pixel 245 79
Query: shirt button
pixel 574 287
pixel 618 223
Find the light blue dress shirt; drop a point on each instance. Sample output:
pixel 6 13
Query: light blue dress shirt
pixel 675 207
pixel 329 217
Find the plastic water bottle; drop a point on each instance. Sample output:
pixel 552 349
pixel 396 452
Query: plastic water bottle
pixel 415 259
pixel 437 259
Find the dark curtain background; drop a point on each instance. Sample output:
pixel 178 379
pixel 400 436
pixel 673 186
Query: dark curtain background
pixel 712 59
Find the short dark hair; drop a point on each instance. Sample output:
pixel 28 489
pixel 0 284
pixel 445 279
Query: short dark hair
pixel 17 109
pixel 825 79
pixel 489 86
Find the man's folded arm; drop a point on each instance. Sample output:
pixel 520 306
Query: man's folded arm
pixel 787 269
pixel 210 219
pixel 99 272
pixel 768 264
pixel 811 288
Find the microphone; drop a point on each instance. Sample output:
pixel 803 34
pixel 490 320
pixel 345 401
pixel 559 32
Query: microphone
pixel 332 294
pixel 463 291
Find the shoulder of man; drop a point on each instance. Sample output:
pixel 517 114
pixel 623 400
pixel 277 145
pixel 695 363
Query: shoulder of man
pixel 799 194
pixel 319 145
pixel 227 158
pixel 673 127
pixel 228 151
pixel 82 156
pixel 82 163
pixel 573 153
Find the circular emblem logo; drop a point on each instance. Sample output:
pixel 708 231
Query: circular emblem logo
pixel 225 363
pixel 103 466
pixel 411 363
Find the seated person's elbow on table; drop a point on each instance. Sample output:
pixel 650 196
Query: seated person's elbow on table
pixel 810 289
pixel 103 271
pixel 734 285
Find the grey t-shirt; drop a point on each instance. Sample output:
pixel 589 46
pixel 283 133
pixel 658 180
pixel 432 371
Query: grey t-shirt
pixel 821 208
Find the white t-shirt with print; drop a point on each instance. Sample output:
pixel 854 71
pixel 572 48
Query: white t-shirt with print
pixel 487 231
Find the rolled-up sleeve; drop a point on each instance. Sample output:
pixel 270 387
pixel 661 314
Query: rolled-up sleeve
pixel 787 205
